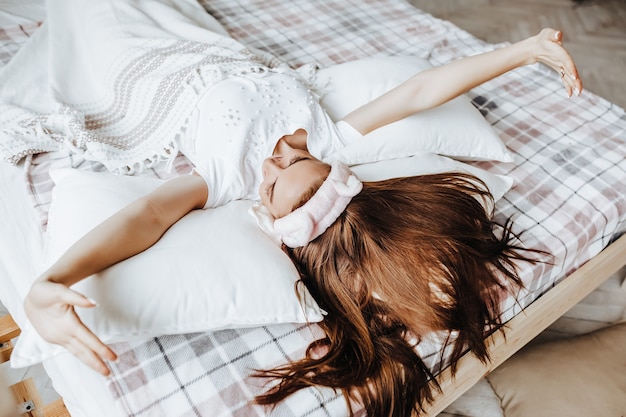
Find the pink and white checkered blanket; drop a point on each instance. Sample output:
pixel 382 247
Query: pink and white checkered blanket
pixel 569 192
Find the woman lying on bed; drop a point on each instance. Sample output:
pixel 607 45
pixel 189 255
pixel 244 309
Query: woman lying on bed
pixel 391 261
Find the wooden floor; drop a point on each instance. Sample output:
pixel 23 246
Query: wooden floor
pixel 594 32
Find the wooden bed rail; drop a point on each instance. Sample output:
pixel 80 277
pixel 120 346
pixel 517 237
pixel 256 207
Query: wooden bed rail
pixel 533 320
pixel 8 331
pixel 26 396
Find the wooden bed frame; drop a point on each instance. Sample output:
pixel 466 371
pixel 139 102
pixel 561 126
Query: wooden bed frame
pixel 520 330
pixel 25 393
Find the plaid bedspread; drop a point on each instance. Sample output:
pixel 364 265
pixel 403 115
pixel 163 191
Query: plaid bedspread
pixel 569 193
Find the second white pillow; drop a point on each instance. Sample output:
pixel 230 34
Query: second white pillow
pixel 455 129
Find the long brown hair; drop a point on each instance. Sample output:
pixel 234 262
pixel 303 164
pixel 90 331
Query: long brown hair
pixel 409 256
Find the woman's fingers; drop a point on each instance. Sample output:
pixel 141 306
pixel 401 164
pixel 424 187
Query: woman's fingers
pixel 85 345
pixel 90 348
pixel 51 309
pixel 71 297
pixel 567 85
pixel 560 60
pixel 567 79
pixel 77 348
pixel 92 342
pixel 570 80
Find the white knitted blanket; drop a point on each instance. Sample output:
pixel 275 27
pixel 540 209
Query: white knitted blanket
pixel 114 80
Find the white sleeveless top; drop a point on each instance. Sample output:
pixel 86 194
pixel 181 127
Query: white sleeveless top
pixel 238 122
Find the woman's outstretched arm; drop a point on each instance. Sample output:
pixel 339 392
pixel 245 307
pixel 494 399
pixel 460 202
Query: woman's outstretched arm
pixel 50 303
pixel 436 86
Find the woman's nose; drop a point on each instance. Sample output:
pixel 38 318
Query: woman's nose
pixel 271 166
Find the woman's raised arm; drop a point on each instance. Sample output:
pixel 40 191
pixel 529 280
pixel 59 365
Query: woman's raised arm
pixel 438 85
pixel 50 303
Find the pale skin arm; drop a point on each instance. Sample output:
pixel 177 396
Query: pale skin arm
pixel 50 303
pixel 436 86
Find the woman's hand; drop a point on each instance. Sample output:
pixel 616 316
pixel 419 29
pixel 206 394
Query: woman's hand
pixel 50 308
pixel 50 303
pixel 547 48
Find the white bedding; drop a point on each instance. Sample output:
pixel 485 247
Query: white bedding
pixel 84 392
pixel 18 12
pixel 20 242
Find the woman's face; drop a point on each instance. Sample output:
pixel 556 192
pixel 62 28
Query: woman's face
pixel 287 175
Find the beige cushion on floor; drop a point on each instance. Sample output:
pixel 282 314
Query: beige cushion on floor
pixel 584 376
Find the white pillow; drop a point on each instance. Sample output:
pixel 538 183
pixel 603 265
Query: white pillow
pixel 213 269
pixel 430 163
pixel 455 129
